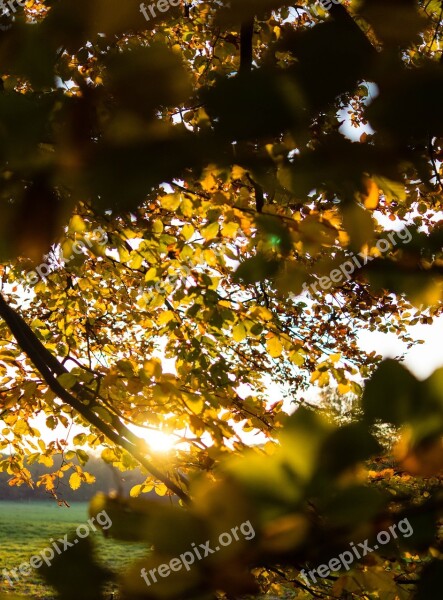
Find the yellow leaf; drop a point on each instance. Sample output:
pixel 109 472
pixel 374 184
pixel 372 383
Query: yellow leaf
pixel 274 347
pixel 393 190
pixel 67 250
pixel 262 313
pixel 297 357
pixel 160 489
pixel 230 229
pixel 210 257
pixel 75 481
pixel 343 388
pixel 214 283
pixel 165 317
pixel 136 261
pixel 123 254
pixel 323 379
pixel 210 231
pixel 152 367
pixel 76 225
pixel 237 172
pixel 239 332
pixel 109 455
pixel 196 404
pixel 89 477
pixel 21 427
pixel 170 201
pixel 186 252
pixel 371 194
pixel 315 375
pixel 186 207
pixel 45 460
pixel 157 226
pixel 188 231
pixel 151 275
pixel 135 491
pixel 208 182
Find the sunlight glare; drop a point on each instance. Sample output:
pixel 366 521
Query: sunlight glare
pixel 158 441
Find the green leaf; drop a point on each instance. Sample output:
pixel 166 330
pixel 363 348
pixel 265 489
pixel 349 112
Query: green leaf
pixel 67 380
pixel 257 268
pixel 392 394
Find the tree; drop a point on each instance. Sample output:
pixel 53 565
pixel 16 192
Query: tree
pixel 192 177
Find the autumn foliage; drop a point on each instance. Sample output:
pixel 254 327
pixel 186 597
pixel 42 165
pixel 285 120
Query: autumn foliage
pixel 224 150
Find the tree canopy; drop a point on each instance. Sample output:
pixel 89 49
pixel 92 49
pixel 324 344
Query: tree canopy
pixel 197 207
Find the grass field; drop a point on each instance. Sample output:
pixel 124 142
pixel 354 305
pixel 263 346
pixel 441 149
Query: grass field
pixel 26 529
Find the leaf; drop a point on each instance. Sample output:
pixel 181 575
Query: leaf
pixel 46 460
pixel 75 481
pixel 392 394
pixel 371 195
pixel 89 478
pixel 274 347
pixel 82 456
pixel 210 231
pixel 157 226
pixel 109 456
pixel 152 368
pixel 297 357
pixel 77 225
pixel 171 201
pixel 195 403
pixel 160 489
pixel 67 380
pixel 256 268
pixel 392 190
pixel 275 233
pixel 166 317
pixel 75 568
pixel 51 422
pixel 126 367
pixel 230 229
pixel 239 332
pixel 188 231
pixel 135 491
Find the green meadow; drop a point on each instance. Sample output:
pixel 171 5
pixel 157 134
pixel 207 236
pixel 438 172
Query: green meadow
pixel 26 528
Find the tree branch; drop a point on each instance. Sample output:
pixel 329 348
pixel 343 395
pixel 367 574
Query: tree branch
pixel 49 368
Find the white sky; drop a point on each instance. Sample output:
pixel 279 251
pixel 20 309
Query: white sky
pixel 421 360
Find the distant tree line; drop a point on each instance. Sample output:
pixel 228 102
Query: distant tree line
pixel 107 479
